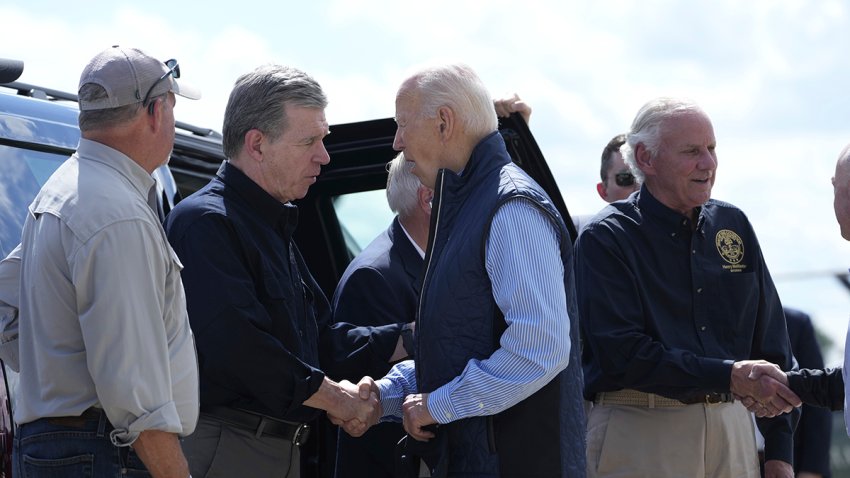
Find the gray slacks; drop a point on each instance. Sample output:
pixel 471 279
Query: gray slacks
pixel 217 449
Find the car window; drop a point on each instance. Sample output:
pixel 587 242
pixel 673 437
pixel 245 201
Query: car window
pixel 362 216
pixel 22 175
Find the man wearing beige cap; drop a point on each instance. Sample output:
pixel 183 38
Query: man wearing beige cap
pixel 108 373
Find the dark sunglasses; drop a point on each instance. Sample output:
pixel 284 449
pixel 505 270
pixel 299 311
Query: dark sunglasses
pixel 624 179
pixel 173 70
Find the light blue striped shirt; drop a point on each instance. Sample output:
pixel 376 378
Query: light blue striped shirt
pixel 524 264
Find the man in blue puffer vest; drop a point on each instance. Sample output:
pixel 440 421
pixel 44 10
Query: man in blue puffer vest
pixel 495 389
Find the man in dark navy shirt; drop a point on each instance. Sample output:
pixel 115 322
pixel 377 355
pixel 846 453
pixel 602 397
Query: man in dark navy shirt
pixel 676 304
pixel 262 325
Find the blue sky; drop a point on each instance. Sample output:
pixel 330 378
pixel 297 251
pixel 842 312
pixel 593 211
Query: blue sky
pixel 772 74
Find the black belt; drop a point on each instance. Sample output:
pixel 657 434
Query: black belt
pixel 709 398
pixel 92 413
pixel 259 424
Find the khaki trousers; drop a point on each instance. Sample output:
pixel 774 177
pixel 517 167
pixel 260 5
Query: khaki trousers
pixel 700 440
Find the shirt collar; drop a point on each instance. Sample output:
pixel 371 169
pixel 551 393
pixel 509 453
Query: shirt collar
pixel 140 180
pixel 669 218
pixel 415 245
pixel 262 203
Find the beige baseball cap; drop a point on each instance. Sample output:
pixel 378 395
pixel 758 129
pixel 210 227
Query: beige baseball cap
pixel 130 76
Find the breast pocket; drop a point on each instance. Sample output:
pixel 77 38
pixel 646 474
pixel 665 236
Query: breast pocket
pixel 736 302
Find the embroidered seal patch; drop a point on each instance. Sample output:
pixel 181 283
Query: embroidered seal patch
pixel 730 246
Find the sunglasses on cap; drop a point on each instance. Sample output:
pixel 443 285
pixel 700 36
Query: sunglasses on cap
pixel 173 70
pixel 624 179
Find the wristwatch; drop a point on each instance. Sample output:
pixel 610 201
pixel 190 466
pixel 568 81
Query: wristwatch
pixel 407 339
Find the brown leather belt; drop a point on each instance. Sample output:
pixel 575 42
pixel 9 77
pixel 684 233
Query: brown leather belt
pixel 259 424
pixel 634 398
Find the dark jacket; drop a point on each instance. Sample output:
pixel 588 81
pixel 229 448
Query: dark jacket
pixel 821 388
pixel 261 323
pixel 459 321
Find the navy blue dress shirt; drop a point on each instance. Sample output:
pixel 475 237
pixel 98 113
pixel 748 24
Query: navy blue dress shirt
pixel 262 325
pixel 667 306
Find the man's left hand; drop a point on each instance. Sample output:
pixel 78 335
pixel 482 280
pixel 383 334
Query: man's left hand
pixel 778 469
pixel 416 416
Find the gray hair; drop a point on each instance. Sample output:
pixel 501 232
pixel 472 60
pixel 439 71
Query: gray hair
pixel 259 100
pixel 646 128
pixel 402 186
pixel 90 120
pixel 458 87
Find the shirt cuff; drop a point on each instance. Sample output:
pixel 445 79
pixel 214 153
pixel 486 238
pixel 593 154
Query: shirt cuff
pixel 392 396
pixel 163 419
pixel 440 406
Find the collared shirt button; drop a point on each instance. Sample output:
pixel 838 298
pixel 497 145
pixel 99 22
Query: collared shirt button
pixel 449 416
pixel 702 328
pixel 693 251
pixel 480 406
pixel 699 290
pixel 672 234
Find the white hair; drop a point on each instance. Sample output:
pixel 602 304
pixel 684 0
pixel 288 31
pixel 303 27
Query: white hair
pixel 402 186
pixel 458 87
pixel 646 128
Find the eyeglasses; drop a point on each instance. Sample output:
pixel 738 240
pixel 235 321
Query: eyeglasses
pixel 173 70
pixel 624 179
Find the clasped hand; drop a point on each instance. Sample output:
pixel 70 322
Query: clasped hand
pixel 762 387
pixel 359 409
pixel 362 408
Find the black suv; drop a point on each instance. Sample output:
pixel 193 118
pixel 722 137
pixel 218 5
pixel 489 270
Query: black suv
pixel 342 212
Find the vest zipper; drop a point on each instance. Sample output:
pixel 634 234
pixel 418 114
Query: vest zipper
pixel 429 252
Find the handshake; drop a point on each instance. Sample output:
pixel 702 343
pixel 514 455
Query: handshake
pixel 361 408
pixel 358 406
pixel 762 387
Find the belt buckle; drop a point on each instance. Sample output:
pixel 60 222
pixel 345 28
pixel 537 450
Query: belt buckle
pixel 301 434
pixel 717 397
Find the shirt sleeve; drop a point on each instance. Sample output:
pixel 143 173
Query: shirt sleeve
pixel 367 326
pixel 771 343
pixel 524 264
pixel 399 382
pixel 10 275
pixel 118 275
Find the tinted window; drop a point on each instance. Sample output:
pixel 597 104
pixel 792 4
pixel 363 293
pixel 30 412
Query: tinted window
pixel 362 216
pixel 22 174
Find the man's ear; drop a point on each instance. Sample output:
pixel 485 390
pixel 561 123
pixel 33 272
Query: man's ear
pixel 424 197
pixel 253 146
pixel 446 120
pixel 643 158
pixel 154 114
pixel 602 190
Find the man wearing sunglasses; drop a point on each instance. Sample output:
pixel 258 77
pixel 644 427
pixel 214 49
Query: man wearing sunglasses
pixel 679 306
pixel 617 180
pixel 108 369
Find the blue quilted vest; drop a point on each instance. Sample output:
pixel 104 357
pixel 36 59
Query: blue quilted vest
pixel 458 320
